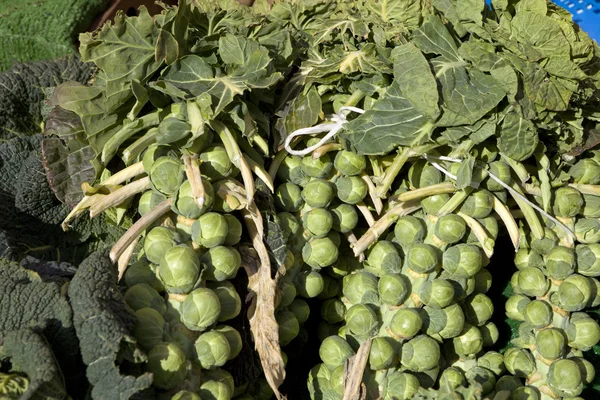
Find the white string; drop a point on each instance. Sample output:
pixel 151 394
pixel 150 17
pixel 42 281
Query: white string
pixel 332 128
pixel 511 190
pixel 439 167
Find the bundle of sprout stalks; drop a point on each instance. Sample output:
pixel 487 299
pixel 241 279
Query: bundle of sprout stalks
pixel 348 169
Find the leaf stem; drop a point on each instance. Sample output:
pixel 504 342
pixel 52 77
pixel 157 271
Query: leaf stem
pixel 509 221
pixel 119 196
pixel 326 148
pixel 374 198
pixel 392 172
pixel 194 176
pixel 364 210
pixel 528 213
pixel 124 259
pixel 260 172
pixel 486 242
pixel 138 147
pixel 438 188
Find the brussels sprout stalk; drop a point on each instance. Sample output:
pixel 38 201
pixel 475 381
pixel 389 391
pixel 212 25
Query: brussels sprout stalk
pixel 194 176
pixel 354 373
pixel 392 172
pixel 138 147
pixel 486 242
pixel 119 196
pixel 543 167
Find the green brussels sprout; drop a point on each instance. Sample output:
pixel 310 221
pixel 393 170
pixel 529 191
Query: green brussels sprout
pixel 515 306
pixel 530 282
pixel 493 361
pixel 288 197
pixel 318 380
pixel 422 174
pixel 547 243
pixel 334 351
pixel 567 202
pixel 185 395
pixel 229 299
pixel 393 289
pixel 142 295
pixel 433 204
pixel 526 393
pixel 405 323
pixel 528 258
pixel 234 230
pixel 212 349
pixel 216 164
pixel 336 382
pixel 463 287
pixel 462 260
pixel 351 189
pixel 400 386
pixel 574 293
pixel 318 193
pixel 149 327
pixel 361 287
pixel 551 343
pixel 185 338
pixel 450 228
pixel 526 336
pixel 233 338
pixel 483 281
pixel 288 327
pixel 587 369
pixel 200 309
pixel 186 204
pixel 582 331
pixel 443 323
pixel 219 375
pixel 591 206
pixel 479 308
pixel 320 252
pixel 587 230
pixel 210 230
pixel 489 333
pixel 383 353
pixel 501 171
pixel 564 377
pixel 586 171
pixel 215 390
pixel 490 225
pixel 349 163
pixel 300 309
pixel 361 320
pixel 422 258
pixel 538 313
pixel 168 365
pixel 331 288
pixel 179 269
pixel 344 265
pixel 142 272
pixel 317 222
pixel 421 353
pixel 166 175
pixel 588 259
pixel 333 311
pixel 286 294
pixel 409 230
pixel 478 204
pixel 345 218
pixel 261 390
pixel 291 170
pixel 451 378
pixel 153 153
pixel 519 362
pixel 469 342
pixel 384 258
pixel 508 383
pixel 158 241
pixel 560 262
pixel 148 200
pixel 483 376
pixel 220 263
pixel 290 225
pixel 438 293
pixel 317 167
pixel 309 284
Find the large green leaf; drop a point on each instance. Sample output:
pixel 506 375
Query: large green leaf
pixel 407 13
pixel 517 137
pixel 541 33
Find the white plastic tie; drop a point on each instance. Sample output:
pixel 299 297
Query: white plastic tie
pixel 332 128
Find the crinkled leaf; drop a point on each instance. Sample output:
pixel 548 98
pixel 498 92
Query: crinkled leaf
pixel 304 111
pixel 366 60
pixel 448 8
pixel 547 92
pixel 471 10
pixel 405 13
pixel 541 33
pixel 465 173
pixel 171 130
pixel 141 98
pixel 517 137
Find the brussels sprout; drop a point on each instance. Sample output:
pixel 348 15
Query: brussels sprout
pixel 317 167
pixel 421 353
pixel 212 349
pixel 336 382
pixel 489 333
pixel 483 281
pixel 547 243
pixel 478 204
pixel 384 258
pixel 333 311
pixel 462 260
pixel 469 342
pixel 331 288
pixel 538 313
pixel 551 343
pixel 300 309
pixel 528 258
pixel 443 322
pixel 344 218
pixel 483 376
pixel 149 327
pixel 587 369
pixel 309 284
pixel 200 309
pixel 383 353
pixel 438 293
pixel 500 170
pixel 166 175
pixel 185 395
pixel 186 203
pixel 148 200
pixel 591 206
pixel 210 230
pixel 587 230
pixel 582 331
pixel 493 361
pixel 349 163
pixel 142 295
pixel 289 197
pixel 179 269
pixel 318 380
pixel 153 153
pixel 479 308
pixel 450 228
pixel 422 258
pixel 158 241
pixel 361 320
pixel 588 259
pixel 409 230
pixel 344 265
pixel 564 377
pixel 508 383
pixel 215 390
pixel 560 262
pixel 234 230
pixel 216 164
pixel 291 170
pixel 361 287
pixel 586 171
pixel 526 393
pixel 433 204
pixel 221 263
pixel 526 336
pixel 142 272
pixel 168 365
pixel 530 282
pixel 400 386
pixel 229 299
pixel 233 338
pixel 334 351
pixel 422 174
pixel 320 252
pixel 515 306
pixel 490 225
pixel 351 189
pixel 288 327
pixel 451 378
pixel 219 375
pixel 286 294
pixel 574 293
pixel 519 362
pixel 317 222
pixel 318 193
pixel 567 202
pixel 393 289
pixel 405 323
pixel 185 338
